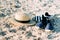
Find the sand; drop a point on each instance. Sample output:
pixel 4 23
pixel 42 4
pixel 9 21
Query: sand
pixel 9 31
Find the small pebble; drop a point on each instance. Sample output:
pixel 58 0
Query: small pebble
pixel 7 25
pixel 29 34
pixel 34 36
pixel 2 15
pixel 39 38
pixel 18 4
pixel 22 32
pixel 7 38
pixel 22 28
pixel 12 30
pixel 34 39
pixel 3 33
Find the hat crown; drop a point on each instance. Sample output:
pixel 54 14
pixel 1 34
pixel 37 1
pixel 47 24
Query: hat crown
pixel 20 16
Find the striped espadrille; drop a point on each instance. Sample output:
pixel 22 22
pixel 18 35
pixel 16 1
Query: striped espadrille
pixel 37 18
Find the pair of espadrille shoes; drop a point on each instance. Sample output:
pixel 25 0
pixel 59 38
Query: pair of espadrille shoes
pixel 45 22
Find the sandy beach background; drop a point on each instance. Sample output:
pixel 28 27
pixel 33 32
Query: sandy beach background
pixel 9 31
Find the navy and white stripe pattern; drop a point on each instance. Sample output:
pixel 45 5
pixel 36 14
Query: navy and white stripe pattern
pixel 37 18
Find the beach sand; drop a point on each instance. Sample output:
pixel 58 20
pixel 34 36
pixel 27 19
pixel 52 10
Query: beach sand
pixel 9 31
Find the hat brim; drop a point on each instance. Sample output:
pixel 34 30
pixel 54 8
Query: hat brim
pixel 14 22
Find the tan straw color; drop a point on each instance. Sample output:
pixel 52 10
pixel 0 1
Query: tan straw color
pixel 20 16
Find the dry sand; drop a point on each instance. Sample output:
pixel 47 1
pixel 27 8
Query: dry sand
pixel 9 31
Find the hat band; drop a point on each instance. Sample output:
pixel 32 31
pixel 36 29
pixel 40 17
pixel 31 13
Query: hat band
pixel 23 21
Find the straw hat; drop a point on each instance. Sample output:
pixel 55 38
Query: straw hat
pixel 21 18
